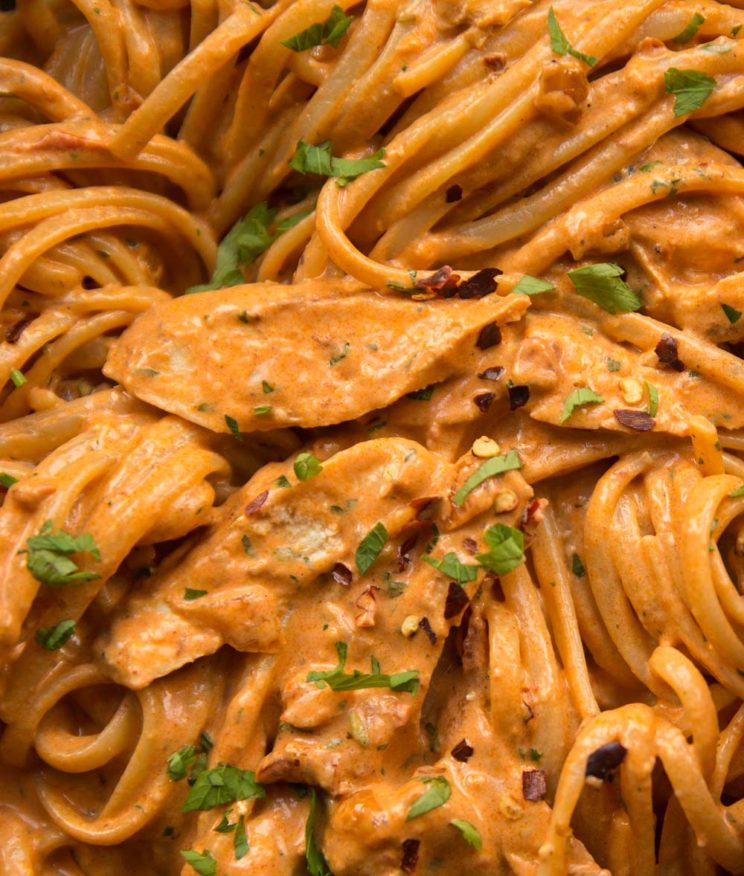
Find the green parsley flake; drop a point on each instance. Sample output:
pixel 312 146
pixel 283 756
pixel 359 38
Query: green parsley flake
pixel 732 314
pixel 240 840
pixel 261 410
pixel 337 357
pixel 737 493
pixel 371 547
pixel 203 863
pixel 220 785
pixel 601 284
pixel 49 556
pixel 329 32
pixel 307 466
pixel 320 160
pixel 283 481
pixel 314 857
pixel 266 387
pixel 496 465
pixel 451 566
pixel 338 680
pixel 53 638
pixel 7 480
pixel 18 377
pixel 561 46
pixel 189 594
pixel 437 793
pixel 577 567
pixel 470 833
pixel 690 88
pixel 232 425
pixel 532 286
pixel 653 399
pixel 613 364
pixel 690 29
pixel 578 398
pixel 506 549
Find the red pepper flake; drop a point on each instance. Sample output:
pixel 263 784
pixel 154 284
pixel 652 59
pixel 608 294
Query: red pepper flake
pixel 495 373
pixel 441 279
pixel 404 560
pixel 484 400
pixel 480 284
pixel 13 334
pixel 256 503
pixel 456 601
pixel 341 574
pixel 463 751
pixel 426 627
pixel 453 193
pixel 601 763
pixel 534 786
pixel 489 336
pixel 470 545
pixel 519 395
pixel 666 350
pixel 638 420
pixel 410 855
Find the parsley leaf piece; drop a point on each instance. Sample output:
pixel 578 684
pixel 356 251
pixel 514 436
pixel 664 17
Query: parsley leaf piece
pixel 222 784
pixel 496 465
pixel 7 480
pixel 561 46
pixel 337 357
pixel 321 161
pixel 206 743
pixel 190 593
pixel 578 398
pixel 370 547
pixel 436 794
pixel 246 542
pixel 329 32
pixel 690 29
pixel 338 680
pixel 613 364
pixel 577 567
pixel 737 493
pixel 653 399
pixel 240 840
pixel 53 638
pixel 261 410
pixel 506 549
pixel 470 833
pixel 283 481
pixel 532 286
pixel 307 466
pixel 451 566
pixel 732 314
pixel 226 826
pixel 266 387
pixel 18 377
pixel 204 863
pixel 601 284
pixel 232 425
pixel 283 225
pixel 49 556
pixel 690 88
pixel 422 394
pixel 179 762
pixel 242 245
pixel 316 862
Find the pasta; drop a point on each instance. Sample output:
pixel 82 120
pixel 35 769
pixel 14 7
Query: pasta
pixel 371 437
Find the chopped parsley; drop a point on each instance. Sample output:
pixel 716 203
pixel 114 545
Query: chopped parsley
pixel 49 556
pixel 240 840
pixel 232 425
pixel 470 833
pixel 7 480
pixel 690 29
pixel 337 679
pixel 506 549
pixel 653 399
pixel 561 46
pixel 283 481
pixel 204 863
pixel 222 784
pixel 613 364
pixel 18 377
pixel 578 398
pixel 602 284
pixel 53 638
pixel 329 32
pixel 532 286
pixel 267 387
pixel 337 357
pixel 190 593
pixel 437 793
pixel 496 465
pixel 370 547
pixel 690 88
pixel 314 857
pixel 732 314
pixel 421 394
pixel 261 410
pixel 307 466
pixel 577 567
pixel 737 493
pixel 451 566
pixel 321 161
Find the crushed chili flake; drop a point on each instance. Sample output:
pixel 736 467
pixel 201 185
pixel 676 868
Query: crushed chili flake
pixel 495 373
pixel 534 786
pixel 480 284
pixel 489 336
pixel 470 545
pixel 256 503
pixel 453 193
pixel 638 420
pixel 13 334
pixel 601 763
pixel 426 627
pixel 667 352
pixel 456 601
pixel 519 395
pixel 463 751
pixel 341 574
pixel 484 400
pixel 404 560
pixel 410 855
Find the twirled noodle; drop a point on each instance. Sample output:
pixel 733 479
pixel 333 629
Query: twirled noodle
pixel 396 334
